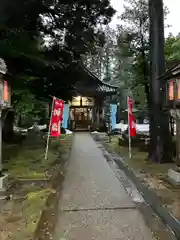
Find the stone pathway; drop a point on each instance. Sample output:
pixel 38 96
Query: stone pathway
pixel 93 203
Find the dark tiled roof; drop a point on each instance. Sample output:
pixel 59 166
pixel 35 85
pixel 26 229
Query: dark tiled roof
pixel 95 88
pixel 171 72
pixel 106 88
pixel 100 85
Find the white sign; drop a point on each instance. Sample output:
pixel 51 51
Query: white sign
pixel 3 66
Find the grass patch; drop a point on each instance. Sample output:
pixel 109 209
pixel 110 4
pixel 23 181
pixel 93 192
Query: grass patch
pixel 30 163
pixel 19 218
pixel 33 205
pixel 153 175
pixel 32 209
pixel 139 161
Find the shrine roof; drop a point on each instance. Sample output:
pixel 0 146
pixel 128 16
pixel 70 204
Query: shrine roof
pixel 92 84
pixel 171 72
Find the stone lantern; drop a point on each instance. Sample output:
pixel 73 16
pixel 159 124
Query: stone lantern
pixel 171 80
pixel 172 83
pixel 4 100
pixel 4 86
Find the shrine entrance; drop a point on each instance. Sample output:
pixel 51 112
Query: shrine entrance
pixel 82 117
pixel 81 112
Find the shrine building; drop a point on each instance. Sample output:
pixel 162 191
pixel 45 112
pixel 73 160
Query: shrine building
pixel 86 109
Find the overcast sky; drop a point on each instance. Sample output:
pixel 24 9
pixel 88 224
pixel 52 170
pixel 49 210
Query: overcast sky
pixel 173 18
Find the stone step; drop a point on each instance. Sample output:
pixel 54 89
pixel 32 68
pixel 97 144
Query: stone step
pixel 3 186
pixel 174 177
pixel 4 181
pixel 3 193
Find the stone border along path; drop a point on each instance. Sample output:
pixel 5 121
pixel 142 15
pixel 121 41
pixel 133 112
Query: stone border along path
pixel 151 204
pixel 93 202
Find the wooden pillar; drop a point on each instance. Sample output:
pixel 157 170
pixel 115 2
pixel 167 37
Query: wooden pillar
pixel 93 118
pixel 177 111
pixel 97 117
pixel 177 137
pixel 110 126
pixel 101 112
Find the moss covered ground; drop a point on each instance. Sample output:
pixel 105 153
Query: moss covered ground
pixel 32 177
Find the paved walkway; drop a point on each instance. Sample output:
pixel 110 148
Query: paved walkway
pixel 94 204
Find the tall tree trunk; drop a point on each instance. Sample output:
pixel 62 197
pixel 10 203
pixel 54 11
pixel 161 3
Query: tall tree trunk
pixel 145 64
pixel 159 121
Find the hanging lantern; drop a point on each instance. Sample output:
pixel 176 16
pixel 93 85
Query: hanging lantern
pixel 171 86
pixel 178 89
pixel 173 92
pixel 4 86
pixel 6 92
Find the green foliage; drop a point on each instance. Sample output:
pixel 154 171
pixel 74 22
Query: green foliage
pixel 39 68
pixel 134 47
pixel 100 61
pixel 123 60
pixel 172 48
pixel 25 25
pixel 137 31
pixel 28 108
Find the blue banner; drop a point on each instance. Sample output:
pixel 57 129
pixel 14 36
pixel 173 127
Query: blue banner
pixel 65 116
pixel 113 115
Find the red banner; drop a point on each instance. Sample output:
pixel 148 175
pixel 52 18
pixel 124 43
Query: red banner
pixel 57 116
pixel 131 118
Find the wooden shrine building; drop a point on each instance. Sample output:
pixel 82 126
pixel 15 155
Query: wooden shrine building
pixel 87 104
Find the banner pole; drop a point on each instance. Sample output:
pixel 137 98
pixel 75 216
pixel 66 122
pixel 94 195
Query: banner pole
pixel 129 135
pixel 48 137
pixel 56 98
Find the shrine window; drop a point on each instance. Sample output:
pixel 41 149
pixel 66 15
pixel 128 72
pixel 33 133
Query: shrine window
pixel 82 101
